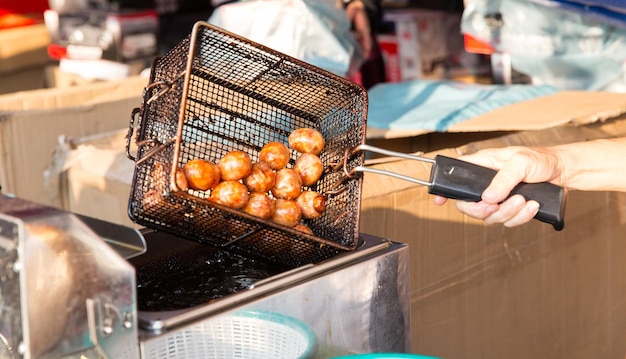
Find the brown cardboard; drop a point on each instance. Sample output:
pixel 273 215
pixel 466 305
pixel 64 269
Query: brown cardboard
pixel 24 47
pixel 55 78
pixel 22 80
pixel 31 123
pixel 23 56
pixel 96 177
pixel 85 94
pixel 482 291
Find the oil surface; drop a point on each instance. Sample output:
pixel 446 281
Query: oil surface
pixel 191 279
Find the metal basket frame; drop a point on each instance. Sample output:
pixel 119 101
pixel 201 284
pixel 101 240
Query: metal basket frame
pixel 215 92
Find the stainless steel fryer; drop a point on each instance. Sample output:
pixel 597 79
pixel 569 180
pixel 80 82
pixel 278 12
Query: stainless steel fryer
pixel 63 287
pixel 75 287
pixel 355 302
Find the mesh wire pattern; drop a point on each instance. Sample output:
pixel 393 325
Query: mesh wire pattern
pixel 216 92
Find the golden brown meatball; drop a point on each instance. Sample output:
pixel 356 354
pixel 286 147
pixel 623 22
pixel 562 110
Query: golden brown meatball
pixel 260 205
pixel 288 184
pixel 261 178
pixel 312 204
pixel 307 140
pixel 235 165
pixel 309 167
pixel 230 193
pixel 287 212
pixel 275 154
pixel 201 174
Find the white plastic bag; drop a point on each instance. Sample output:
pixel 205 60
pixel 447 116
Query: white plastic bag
pixel 314 31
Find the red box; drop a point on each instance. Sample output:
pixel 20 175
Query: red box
pixel 23 7
pixel 390 50
pixel 21 13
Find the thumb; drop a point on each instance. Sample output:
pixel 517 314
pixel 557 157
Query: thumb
pixel 499 188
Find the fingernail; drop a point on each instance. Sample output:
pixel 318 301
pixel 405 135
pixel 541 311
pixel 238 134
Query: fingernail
pixel 491 196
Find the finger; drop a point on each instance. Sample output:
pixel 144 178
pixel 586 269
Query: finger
pixel 507 210
pixel 528 212
pixel 505 179
pixel 514 165
pixel 500 187
pixel 479 210
pixel 440 201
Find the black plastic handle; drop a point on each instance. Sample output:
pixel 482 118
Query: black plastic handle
pixel 456 179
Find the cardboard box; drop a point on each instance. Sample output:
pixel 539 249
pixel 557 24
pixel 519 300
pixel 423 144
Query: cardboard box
pixel 56 78
pixel 96 177
pixel 22 80
pixel 31 123
pixel 482 291
pixel 23 47
pixel 23 57
pixel 422 41
pixel 477 291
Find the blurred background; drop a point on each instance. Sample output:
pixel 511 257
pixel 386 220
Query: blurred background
pixel 70 42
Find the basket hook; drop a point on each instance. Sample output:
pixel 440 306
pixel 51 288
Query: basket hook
pixel 167 85
pixel 154 150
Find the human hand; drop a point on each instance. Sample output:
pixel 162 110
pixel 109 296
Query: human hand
pixel 357 15
pixel 514 165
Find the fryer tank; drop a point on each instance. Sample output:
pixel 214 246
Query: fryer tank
pixel 99 290
pixel 357 302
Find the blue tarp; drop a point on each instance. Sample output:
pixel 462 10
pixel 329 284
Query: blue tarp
pixel 610 12
pixel 436 105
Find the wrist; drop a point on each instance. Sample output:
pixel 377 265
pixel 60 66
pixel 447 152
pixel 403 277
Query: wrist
pixel 593 165
pixel 576 168
pixel 560 160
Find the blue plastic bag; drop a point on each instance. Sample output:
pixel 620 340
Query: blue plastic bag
pixel 436 105
pixel 567 49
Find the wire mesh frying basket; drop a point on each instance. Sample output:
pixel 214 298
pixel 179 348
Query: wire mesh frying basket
pixel 215 92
